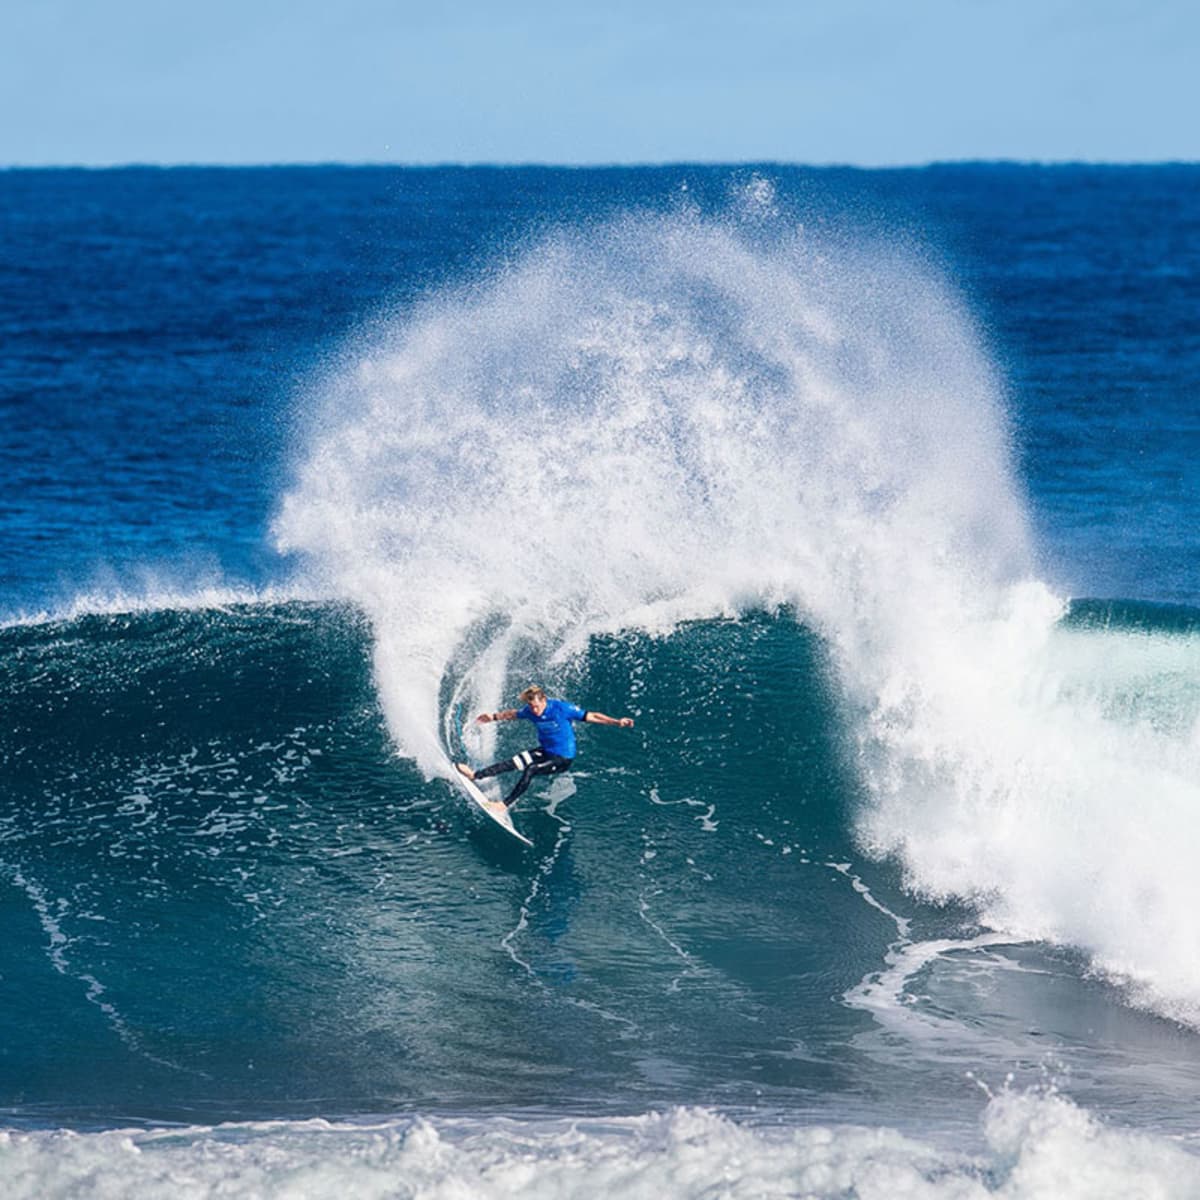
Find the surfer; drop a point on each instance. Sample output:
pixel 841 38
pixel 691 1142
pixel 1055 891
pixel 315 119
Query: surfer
pixel 555 751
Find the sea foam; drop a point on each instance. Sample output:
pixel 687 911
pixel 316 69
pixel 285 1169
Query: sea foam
pixel 1033 1147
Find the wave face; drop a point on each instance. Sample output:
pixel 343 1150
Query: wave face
pixel 227 898
pixel 676 418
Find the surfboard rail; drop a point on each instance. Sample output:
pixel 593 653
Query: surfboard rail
pixel 493 809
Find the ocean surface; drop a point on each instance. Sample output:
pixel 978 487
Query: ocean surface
pixel 871 495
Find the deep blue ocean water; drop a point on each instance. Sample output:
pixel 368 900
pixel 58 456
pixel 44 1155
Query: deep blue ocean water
pixel 870 494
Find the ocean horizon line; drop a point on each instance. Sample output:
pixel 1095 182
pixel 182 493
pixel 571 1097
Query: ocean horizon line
pixel 601 165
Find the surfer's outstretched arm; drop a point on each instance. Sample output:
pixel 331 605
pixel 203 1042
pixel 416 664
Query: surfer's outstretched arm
pixel 505 714
pixel 599 718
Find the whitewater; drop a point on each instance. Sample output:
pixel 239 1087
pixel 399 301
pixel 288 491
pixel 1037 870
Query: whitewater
pixel 1037 1147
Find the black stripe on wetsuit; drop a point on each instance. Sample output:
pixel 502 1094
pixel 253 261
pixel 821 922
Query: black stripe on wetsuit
pixel 529 763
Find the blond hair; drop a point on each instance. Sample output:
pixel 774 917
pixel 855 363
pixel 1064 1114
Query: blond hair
pixel 532 690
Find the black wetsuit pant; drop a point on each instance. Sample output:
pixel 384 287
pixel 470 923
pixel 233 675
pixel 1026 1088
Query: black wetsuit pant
pixel 529 763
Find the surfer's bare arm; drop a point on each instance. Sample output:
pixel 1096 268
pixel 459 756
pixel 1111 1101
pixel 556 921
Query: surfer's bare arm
pixel 599 718
pixel 507 714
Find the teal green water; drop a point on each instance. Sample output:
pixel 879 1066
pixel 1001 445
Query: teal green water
pixel 237 900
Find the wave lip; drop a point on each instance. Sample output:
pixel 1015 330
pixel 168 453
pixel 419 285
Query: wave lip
pixel 155 599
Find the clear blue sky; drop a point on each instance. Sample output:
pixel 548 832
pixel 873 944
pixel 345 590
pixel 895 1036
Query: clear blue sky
pixel 814 81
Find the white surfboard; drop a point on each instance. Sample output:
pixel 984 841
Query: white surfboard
pixel 493 809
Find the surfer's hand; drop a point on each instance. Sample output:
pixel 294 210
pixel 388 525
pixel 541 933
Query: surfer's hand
pixel 483 718
pixel 626 722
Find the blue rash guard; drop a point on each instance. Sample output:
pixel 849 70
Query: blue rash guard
pixel 555 733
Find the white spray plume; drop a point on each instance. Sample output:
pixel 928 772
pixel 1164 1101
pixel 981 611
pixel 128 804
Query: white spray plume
pixel 673 417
